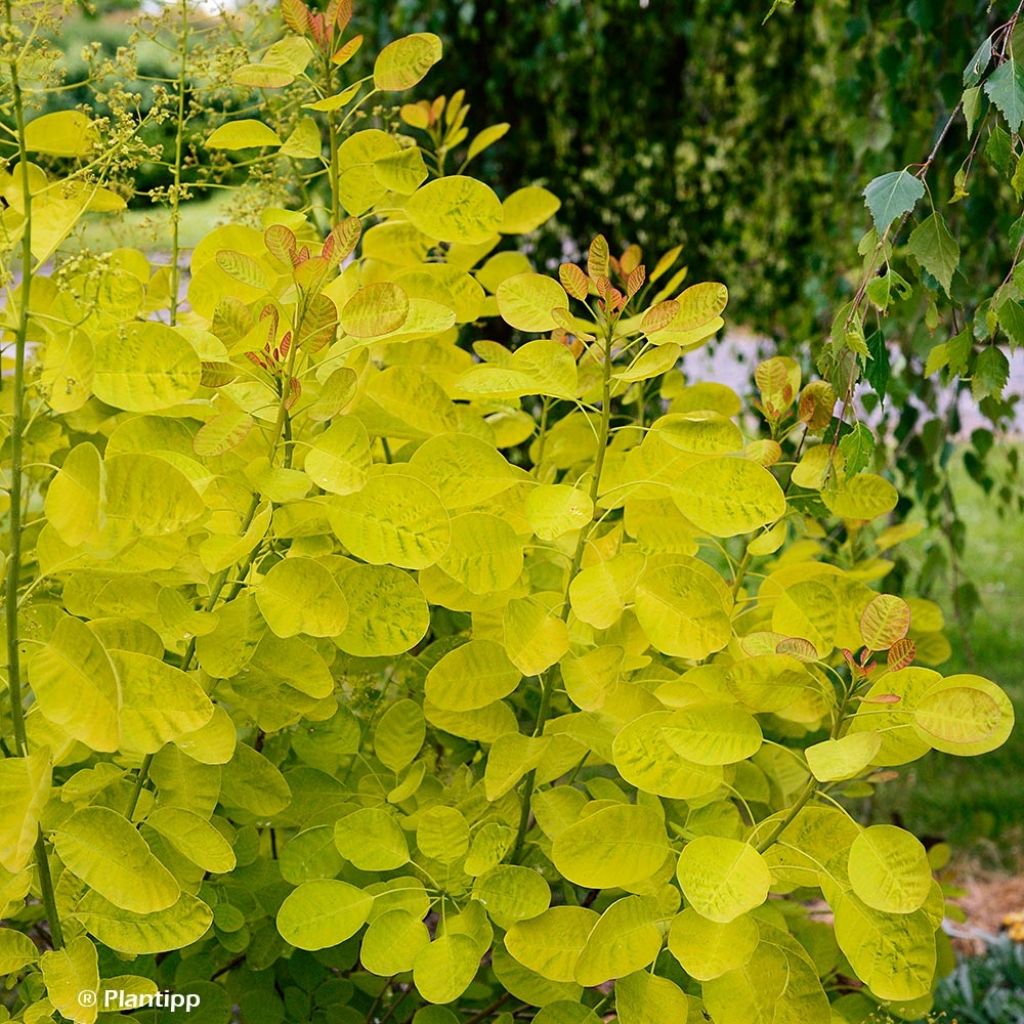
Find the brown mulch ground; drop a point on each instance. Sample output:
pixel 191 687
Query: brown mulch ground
pixel 988 897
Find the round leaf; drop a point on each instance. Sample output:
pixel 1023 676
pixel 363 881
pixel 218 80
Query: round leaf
pixel 551 942
pixel 472 676
pixel 387 611
pixel 145 367
pixel 299 595
pixel 455 209
pixel 681 611
pixel 403 63
pixel 708 949
pixel 512 893
pixel 392 943
pixel 106 852
pixel 323 913
pixel 725 497
pixel 525 301
pixel 613 847
pixel 393 520
pixel 889 870
pixel 372 840
pixel 713 734
pixel 375 310
pixel 722 878
pixel 244 134
pixel 965 715
pixel 446 968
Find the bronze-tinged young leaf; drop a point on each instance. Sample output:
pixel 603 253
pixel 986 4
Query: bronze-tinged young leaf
pixel 817 400
pixel 598 263
pixel 223 433
pixel 884 621
pixel 295 15
pixel 347 52
pixel 242 267
pixel 342 240
pixel 630 260
pixel 342 10
pixel 798 647
pixel 901 654
pixel 281 244
pixel 574 281
pixel 319 324
pixel 635 281
pixel 660 316
pixel 216 374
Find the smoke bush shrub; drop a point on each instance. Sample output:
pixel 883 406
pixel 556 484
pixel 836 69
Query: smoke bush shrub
pixel 361 668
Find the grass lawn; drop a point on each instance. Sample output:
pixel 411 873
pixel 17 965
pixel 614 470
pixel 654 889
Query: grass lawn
pixel 150 229
pixel 977 802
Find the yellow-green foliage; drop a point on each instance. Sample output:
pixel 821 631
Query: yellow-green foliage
pixel 364 668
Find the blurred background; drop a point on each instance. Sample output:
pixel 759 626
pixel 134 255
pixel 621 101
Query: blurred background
pixel 746 133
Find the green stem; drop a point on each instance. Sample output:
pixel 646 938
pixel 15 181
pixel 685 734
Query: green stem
pixel 178 146
pixel 332 142
pixel 741 571
pixel 46 891
pixel 17 457
pixel 140 781
pixel 780 826
pixel 811 787
pixel 498 1003
pixel 395 1005
pixel 547 679
pixel 375 1005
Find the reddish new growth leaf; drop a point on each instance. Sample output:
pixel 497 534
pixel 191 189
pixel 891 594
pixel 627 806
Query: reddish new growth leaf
pixel 635 281
pixel 295 15
pixel 630 259
pixel 342 240
pixel 611 297
pixel 348 51
pixel 797 647
pixel 281 244
pixel 660 316
pixel 340 13
pixel 319 30
pixel 901 654
pixel 569 340
pixel 598 260
pixel 574 281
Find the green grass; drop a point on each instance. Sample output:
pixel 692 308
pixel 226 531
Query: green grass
pixel 977 803
pixel 150 229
